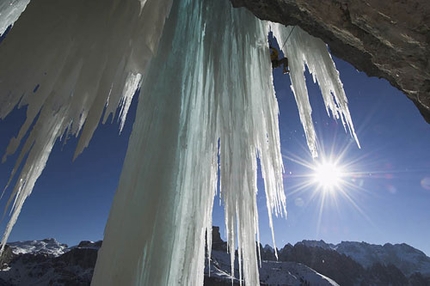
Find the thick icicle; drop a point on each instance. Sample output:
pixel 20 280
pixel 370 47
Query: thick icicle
pixel 303 49
pixel 69 63
pixel 211 82
pixel 208 89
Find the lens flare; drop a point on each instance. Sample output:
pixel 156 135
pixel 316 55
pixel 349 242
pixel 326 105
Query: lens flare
pixel 328 176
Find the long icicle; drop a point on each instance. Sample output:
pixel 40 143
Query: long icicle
pixel 70 65
pixel 210 82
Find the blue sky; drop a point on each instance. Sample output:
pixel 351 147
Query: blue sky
pixel 71 200
pixel 386 193
pixel 385 197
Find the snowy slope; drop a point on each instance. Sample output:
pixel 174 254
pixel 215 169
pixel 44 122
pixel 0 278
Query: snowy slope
pixel 271 272
pixel 291 273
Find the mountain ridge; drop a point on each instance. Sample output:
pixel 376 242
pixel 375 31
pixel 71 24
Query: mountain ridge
pixel 308 262
pixel 366 254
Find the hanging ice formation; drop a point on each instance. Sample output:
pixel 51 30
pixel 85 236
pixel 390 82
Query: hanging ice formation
pixel 70 66
pixel 208 87
pixel 207 93
pixel 303 49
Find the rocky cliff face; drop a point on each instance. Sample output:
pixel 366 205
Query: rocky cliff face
pixel 389 40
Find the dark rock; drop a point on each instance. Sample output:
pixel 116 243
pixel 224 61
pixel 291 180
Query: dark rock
pixel 5 283
pixel 330 263
pixel 6 257
pixel 417 279
pixel 285 252
pixel 83 257
pixel 90 244
pixel 217 242
pixel 386 40
pixel 267 253
pixel 386 275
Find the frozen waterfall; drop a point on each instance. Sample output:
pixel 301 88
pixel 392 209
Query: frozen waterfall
pixel 209 90
pixel 206 112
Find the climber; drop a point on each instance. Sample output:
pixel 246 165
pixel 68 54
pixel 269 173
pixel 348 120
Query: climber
pixel 276 63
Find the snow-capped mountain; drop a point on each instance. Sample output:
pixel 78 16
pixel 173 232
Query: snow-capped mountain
pixel 48 246
pixel 408 259
pixel 48 262
pixel 317 243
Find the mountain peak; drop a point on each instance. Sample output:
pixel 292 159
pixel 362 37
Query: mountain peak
pixel 47 246
pixel 309 261
pixel 316 243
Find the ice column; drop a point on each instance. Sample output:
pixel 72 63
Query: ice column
pixel 303 50
pixel 209 90
pixel 70 64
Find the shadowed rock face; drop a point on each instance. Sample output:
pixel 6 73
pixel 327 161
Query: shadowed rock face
pixel 389 40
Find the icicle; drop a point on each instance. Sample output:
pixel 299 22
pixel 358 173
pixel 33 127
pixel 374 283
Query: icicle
pixel 303 49
pixel 131 85
pixel 69 63
pixel 210 82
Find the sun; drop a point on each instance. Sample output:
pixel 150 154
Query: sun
pixel 328 175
